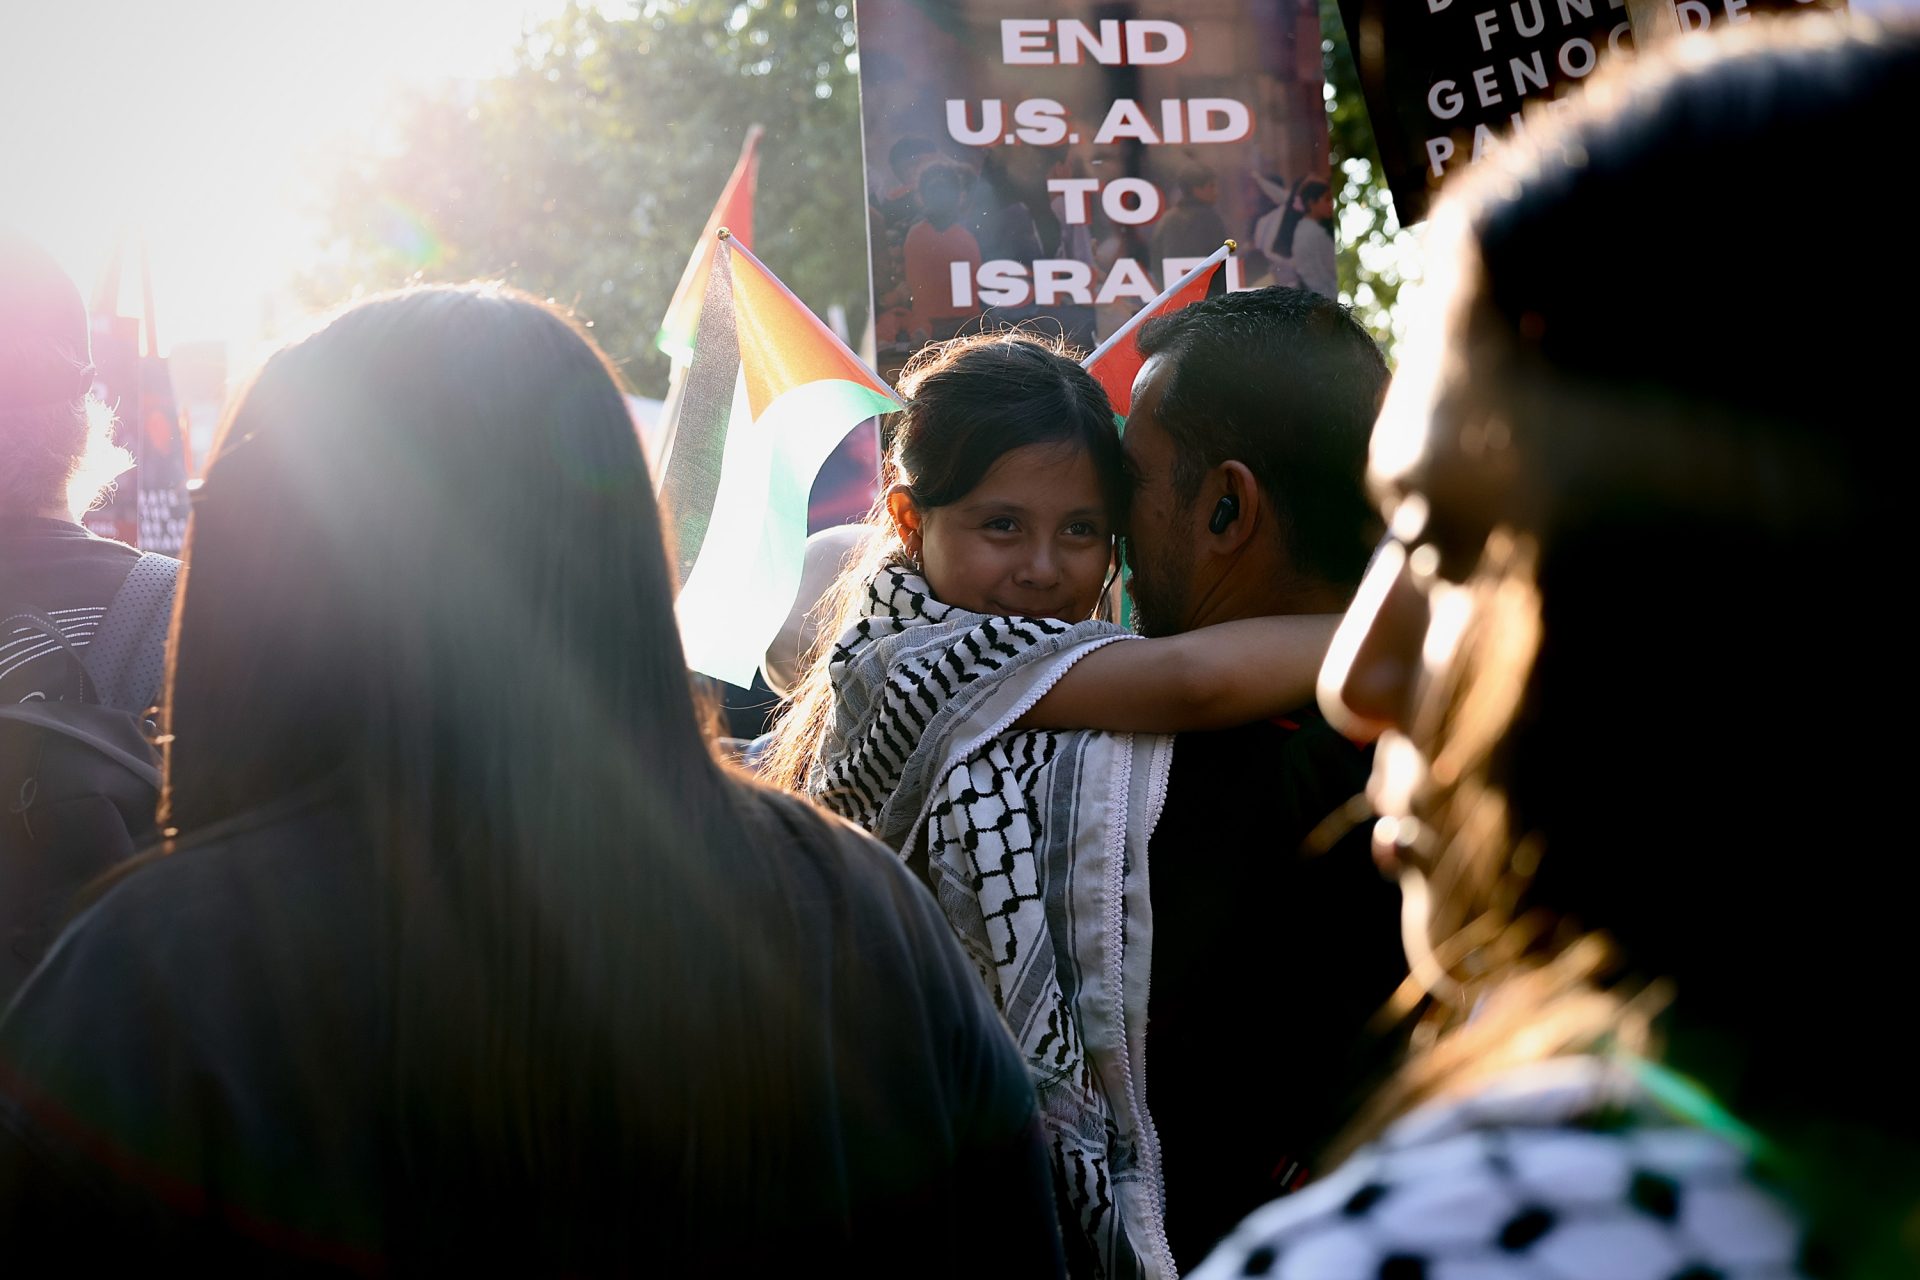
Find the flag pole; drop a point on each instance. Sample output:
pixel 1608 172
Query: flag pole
pixel 1218 256
pixel 781 285
pixel 669 420
pixel 744 174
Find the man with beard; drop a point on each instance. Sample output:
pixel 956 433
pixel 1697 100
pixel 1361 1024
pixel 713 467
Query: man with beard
pixel 1247 445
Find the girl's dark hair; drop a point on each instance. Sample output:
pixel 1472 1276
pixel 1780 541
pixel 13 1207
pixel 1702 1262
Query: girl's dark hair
pixel 1640 793
pixel 426 564
pixel 974 400
pixel 970 402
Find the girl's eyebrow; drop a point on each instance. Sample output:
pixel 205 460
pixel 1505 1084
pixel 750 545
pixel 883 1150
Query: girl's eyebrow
pixel 1000 507
pixel 993 504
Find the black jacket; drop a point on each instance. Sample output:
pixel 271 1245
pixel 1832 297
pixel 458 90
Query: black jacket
pixel 201 1072
pixel 1269 962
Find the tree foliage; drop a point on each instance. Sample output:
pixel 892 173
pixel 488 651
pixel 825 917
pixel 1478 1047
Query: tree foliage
pixel 1376 254
pixel 586 172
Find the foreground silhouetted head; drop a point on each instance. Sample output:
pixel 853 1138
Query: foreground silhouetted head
pixel 1621 636
pixel 427 573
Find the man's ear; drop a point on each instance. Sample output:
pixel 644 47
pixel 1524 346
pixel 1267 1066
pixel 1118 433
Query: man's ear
pixel 1235 513
pixel 905 514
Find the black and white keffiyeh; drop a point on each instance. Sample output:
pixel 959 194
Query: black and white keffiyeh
pixel 1566 1170
pixel 1036 846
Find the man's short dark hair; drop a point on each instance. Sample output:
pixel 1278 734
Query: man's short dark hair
pixel 1288 383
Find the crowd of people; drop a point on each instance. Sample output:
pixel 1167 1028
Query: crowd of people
pixel 1475 858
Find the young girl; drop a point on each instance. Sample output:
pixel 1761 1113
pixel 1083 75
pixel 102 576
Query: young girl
pixel 1005 493
pixel 959 643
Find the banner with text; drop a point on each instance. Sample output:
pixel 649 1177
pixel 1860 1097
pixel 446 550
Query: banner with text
pixel 1444 79
pixel 1061 164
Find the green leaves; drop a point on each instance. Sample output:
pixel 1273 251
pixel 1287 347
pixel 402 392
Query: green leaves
pixel 1376 254
pixel 586 172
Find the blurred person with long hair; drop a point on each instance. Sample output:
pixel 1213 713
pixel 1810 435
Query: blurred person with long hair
pixel 463 951
pixel 1620 644
pixel 1302 249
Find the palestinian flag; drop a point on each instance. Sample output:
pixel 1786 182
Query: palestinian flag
pixel 1115 362
pixel 733 211
pixel 770 393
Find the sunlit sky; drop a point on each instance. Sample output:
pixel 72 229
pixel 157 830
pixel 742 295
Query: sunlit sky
pixel 199 125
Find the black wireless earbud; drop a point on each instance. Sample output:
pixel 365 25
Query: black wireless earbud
pixel 1225 512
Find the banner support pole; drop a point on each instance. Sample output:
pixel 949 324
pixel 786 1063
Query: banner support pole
pixel 1653 21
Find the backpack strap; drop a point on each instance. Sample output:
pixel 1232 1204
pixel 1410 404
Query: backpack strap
pixel 77 685
pixel 49 717
pixel 128 655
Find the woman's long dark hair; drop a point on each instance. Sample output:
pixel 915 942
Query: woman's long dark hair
pixel 970 402
pixel 1309 190
pixel 1653 824
pixel 426 564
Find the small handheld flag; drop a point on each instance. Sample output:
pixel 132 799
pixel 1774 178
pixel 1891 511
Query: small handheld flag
pixel 769 395
pixel 1115 362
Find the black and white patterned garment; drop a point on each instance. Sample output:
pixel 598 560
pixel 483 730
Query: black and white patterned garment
pixel 1564 1171
pixel 1036 851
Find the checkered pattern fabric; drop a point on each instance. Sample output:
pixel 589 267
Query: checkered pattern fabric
pixel 1565 1171
pixel 1036 850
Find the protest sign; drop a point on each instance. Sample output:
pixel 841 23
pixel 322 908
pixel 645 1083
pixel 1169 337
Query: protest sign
pixel 1445 79
pixel 1061 164
pixel 147 506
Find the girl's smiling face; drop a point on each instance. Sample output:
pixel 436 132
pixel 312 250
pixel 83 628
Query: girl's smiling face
pixel 1033 539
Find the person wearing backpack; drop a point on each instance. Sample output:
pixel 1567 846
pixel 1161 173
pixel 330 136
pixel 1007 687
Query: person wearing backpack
pixel 83 623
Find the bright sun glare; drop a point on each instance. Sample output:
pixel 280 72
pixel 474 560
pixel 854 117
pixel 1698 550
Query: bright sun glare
pixel 199 126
